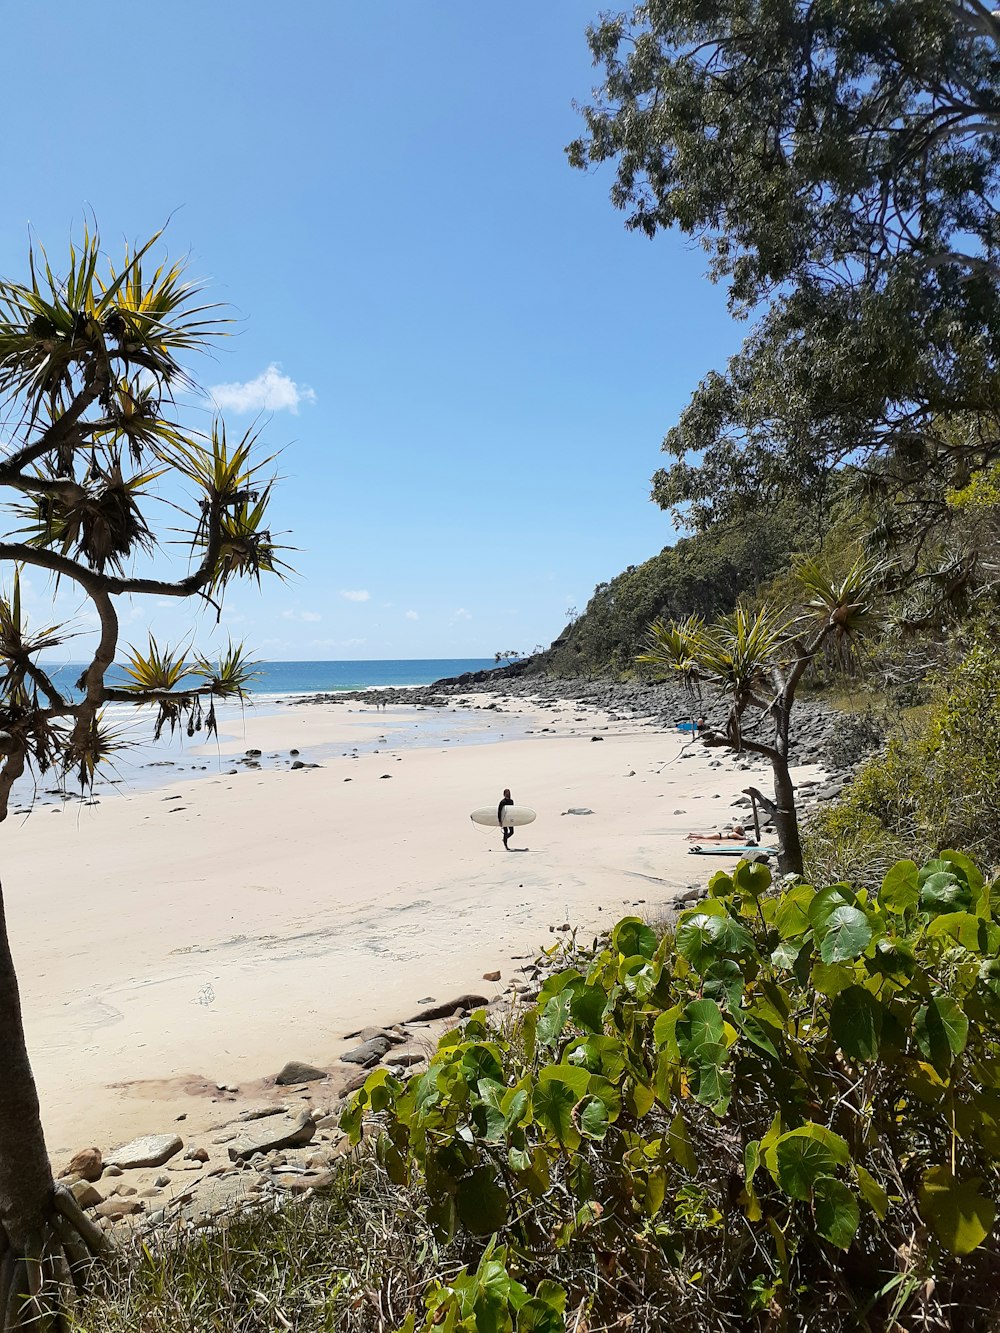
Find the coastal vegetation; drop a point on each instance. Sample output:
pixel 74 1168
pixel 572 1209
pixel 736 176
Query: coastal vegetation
pixel 756 663
pixel 783 1109
pixel 781 1112
pixel 839 165
pixel 90 363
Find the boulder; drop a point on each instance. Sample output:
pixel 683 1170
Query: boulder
pixel 296 1071
pixel 116 1208
pixel 150 1150
pixel 491 976
pixel 222 1196
pixel 87 1164
pixel 85 1194
pixel 366 1034
pixel 298 1183
pixel 368 1053
pixel 448 1008
pixel 266 1135
pixel 404 1059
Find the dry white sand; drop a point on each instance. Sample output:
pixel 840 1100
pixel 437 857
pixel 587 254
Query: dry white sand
pixel 167 945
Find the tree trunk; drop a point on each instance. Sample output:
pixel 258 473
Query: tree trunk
pixel 46 1243
pixel 781 811
pixel 786 821
pixel 25 1175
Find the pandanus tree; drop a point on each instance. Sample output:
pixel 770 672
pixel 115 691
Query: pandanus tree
pixel 90 365
pixel 756 662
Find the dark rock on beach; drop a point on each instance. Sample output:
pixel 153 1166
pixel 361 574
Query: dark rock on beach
pixel 274 1132
pixel 368 1053
pixel 448 1008
pixel 298 1072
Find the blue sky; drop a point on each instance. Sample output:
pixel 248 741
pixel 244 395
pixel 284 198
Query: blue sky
pixel 470 364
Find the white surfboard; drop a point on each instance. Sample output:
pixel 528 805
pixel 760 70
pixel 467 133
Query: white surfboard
pixel 513 817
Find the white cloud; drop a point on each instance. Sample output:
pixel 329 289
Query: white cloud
pixel 462 614
pixel 271 391
pixel 412 615
pixel 355 595
pixel 307 616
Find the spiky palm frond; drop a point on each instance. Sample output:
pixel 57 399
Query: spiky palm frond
pixel 671 644
pixel 134 416
pixel 739 652
pixel 846 606
pixel 16 643
pixel 156 669
pixel 234 501
pixel 246 548
pixel 153 317
pixel 52 327
pixel 99 523
pixel 231 674
pixel 89 747
pixel 225 474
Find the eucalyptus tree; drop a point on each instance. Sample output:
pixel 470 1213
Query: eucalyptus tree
pixel 839 163
pixel 755 661
pixel 90 362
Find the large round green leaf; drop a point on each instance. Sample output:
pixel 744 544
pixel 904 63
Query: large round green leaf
pixel 792 917
pixel 752 877
pixel 724 982
pixel 803 1155
pixel 576 1078
pixel 848 935
pixel 941 1030
pixel 836 1212
pixel 965 869
pixel 899 892
pixel 639 976
pixel 552 1102
pixel 593 1118
pixel 958 1214
pixel 537 1316
pixel 856 1023
pixel 826 902
pixel 632 936
pixel 587 1006
pixel 801 1162
pixel 702 1023
pixel 697 940
pixel 481 1202
pixel 944 892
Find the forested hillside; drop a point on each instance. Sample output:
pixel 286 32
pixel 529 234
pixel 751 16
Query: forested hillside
pixel 704 574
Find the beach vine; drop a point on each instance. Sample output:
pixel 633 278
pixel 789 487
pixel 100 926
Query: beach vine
pixel 786 1109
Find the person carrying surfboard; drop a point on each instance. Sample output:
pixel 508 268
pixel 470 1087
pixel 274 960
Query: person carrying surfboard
pixel 507 830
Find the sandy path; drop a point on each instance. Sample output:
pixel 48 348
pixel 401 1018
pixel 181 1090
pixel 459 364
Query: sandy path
pixel 260 917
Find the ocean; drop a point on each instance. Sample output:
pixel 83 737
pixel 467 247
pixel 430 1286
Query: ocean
pixel 146 763
pixel 321 677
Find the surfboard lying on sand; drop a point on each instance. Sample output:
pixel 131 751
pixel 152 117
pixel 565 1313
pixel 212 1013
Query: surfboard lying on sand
pixel 513 817
pixel 731 851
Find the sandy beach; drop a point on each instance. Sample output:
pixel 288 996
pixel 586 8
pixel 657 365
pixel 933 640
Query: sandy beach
pixel 205 932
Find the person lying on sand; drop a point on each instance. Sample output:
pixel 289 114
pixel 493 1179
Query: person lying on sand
pixel 736 834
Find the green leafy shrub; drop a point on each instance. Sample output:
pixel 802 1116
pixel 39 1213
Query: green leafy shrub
pixel 788 1110
pixel 936 787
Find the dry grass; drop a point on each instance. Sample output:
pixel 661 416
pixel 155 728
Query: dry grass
pixel 355 1259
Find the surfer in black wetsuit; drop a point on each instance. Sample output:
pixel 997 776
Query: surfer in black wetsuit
pixel 500 809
